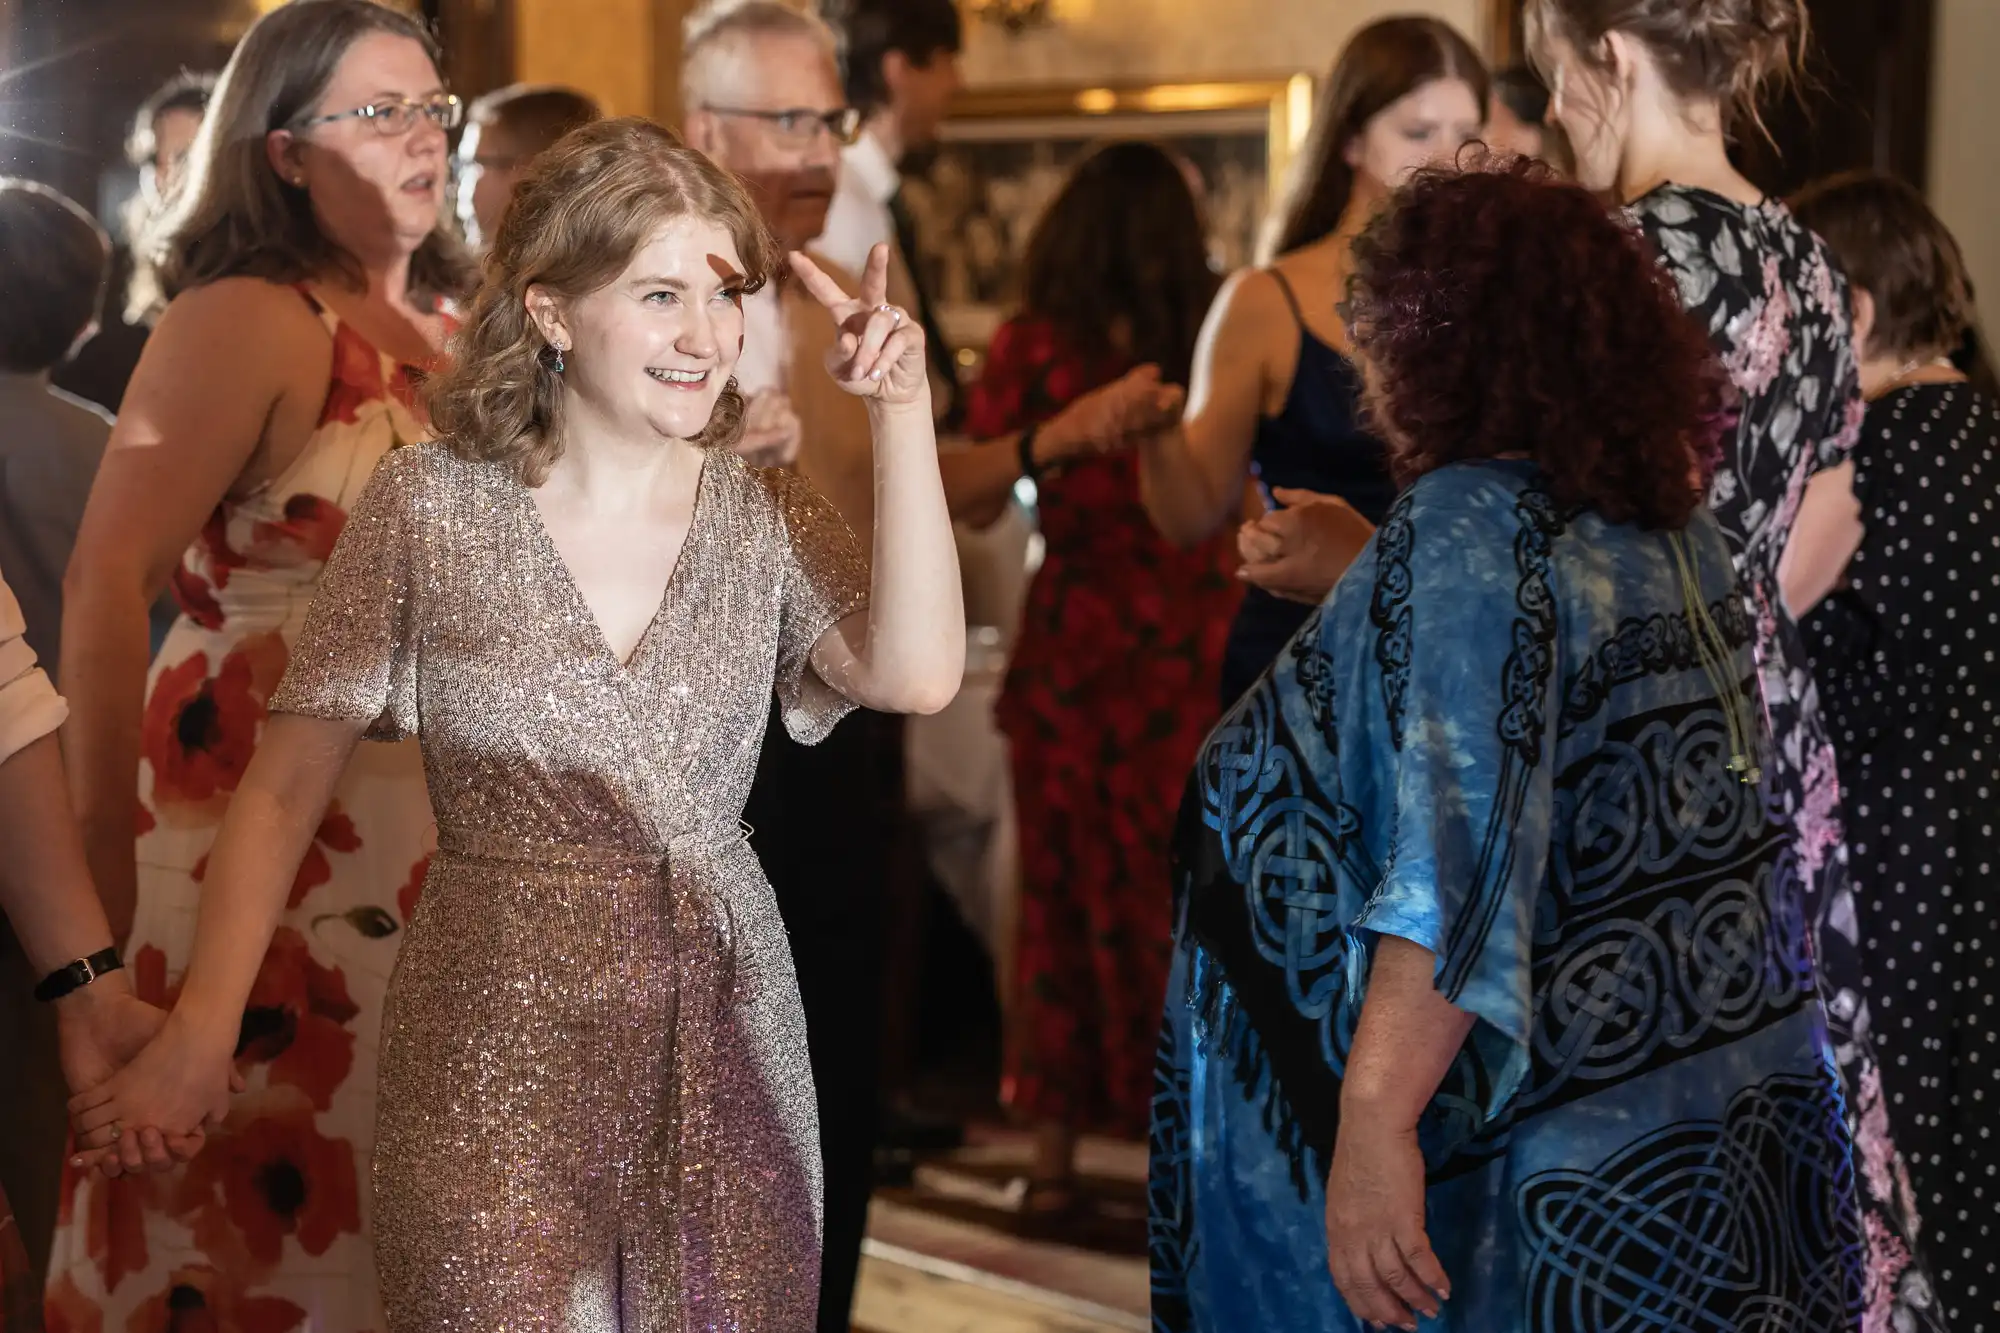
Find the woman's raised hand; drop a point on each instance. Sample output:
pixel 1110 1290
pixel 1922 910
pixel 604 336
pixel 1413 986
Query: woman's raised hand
pixel 880 351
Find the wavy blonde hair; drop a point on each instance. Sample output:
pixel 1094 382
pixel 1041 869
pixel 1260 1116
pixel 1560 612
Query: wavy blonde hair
pixel 586 207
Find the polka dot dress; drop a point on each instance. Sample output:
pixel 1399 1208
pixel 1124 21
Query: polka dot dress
pixel 1908 663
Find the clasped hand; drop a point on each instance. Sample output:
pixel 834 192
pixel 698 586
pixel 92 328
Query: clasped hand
pixel 146 1094
pixel 1113 417
pixel 1300 551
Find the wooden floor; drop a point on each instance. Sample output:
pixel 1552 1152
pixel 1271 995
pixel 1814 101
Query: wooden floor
pixel 929 1267
pixel 902 1291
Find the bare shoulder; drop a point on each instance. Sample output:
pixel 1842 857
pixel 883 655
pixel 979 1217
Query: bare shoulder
pixel 1248 296
pixel 250 310
pixel 240 341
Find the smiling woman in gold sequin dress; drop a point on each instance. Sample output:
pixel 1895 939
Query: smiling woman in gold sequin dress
pixel 596 1111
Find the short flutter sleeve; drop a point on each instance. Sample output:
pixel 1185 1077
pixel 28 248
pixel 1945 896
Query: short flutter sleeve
pixel 30 708
pixel 1464 617
pixel 356 657
pixel 824 580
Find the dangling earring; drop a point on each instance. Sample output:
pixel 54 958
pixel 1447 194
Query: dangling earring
pixel 559 361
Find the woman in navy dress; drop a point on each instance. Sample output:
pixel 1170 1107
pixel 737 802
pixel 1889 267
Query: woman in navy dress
pixel 1273 394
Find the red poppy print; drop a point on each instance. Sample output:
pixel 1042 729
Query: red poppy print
pixel 199 730
pixel 207 1247
pixel 296 1020
pixel 356 379
pixel 204 571
pixel 149 977
pixel 336 833
pixel 114 1226
pixel 195 596
pixel 202 1300
pixel 406 897
pixel 269 1174
pixel 65 1309
pixel 310 527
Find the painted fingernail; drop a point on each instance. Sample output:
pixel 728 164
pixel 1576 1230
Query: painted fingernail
pixel 874 374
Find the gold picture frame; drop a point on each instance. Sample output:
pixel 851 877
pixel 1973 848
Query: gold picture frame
pixel 1004 151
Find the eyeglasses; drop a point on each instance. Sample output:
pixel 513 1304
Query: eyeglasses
pixel 802 126
pixel 398 115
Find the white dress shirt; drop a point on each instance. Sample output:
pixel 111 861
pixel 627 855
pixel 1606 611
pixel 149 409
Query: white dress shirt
pixel 767 345
pixel 858 219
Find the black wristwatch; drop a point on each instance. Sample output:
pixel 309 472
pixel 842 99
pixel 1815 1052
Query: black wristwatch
pixel 77 975
pixel 1029 467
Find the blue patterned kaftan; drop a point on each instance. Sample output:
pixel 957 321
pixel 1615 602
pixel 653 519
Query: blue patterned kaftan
pixel 1495 739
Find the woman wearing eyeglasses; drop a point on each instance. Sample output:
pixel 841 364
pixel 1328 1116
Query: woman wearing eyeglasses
pixel 309 275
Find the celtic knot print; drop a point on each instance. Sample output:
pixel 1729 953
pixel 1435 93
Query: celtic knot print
pixel 1239 769
pixel 1389 610
pixel 1315 675
pixel 1653 646
pixel 1524 684
pixel 1170 1230
pixel 1631 994
pixel 1656 791
pixel 1291 846
pixel 1741 1226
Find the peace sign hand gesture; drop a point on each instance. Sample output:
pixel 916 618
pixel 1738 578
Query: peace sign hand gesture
pixel 880 351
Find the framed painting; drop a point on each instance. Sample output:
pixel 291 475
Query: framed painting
pixel 1005 152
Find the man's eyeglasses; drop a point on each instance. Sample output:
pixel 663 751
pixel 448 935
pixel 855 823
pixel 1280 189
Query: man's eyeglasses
pixel 398 115
pixel 800 125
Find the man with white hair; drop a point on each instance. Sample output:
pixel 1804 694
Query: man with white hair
pixel 762 96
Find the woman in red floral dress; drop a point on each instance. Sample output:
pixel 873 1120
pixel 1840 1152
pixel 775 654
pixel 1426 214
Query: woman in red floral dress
pixel 1113 680
pixel 309 272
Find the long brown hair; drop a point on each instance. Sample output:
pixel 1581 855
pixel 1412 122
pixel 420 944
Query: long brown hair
pixel 586 207
pixel 1380 65
pixel 231 216
pixel 1122 245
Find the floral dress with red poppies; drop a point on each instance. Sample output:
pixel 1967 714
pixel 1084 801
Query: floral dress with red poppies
pixel 266 1231
pixel 1111 688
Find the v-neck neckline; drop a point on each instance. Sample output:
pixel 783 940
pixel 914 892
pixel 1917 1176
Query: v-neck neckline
pixel 667 591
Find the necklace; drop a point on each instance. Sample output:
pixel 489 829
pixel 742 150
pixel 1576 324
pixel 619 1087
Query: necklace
pixel 1906 372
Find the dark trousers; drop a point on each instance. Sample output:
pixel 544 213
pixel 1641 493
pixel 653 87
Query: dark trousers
pixel 34 1112
pixel 823 822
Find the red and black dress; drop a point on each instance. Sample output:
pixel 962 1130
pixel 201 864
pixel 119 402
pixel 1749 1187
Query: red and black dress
pixel 1111 689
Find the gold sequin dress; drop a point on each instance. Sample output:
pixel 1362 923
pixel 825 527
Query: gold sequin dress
pixel 596 1111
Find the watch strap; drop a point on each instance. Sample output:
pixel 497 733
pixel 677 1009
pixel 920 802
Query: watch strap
pixel 1029 467
pixel 75 976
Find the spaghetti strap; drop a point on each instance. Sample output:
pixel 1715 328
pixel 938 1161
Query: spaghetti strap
pixel 1291 298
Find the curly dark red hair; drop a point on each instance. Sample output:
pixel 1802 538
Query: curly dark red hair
pixel 1503 311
